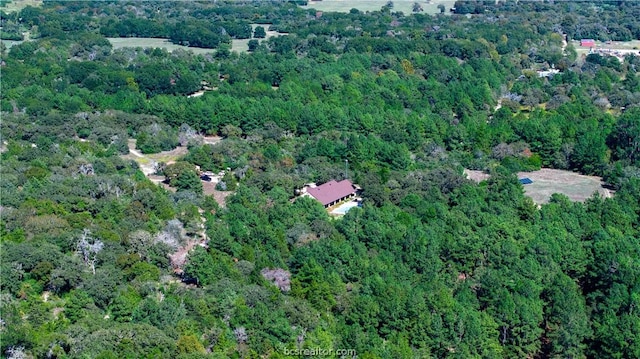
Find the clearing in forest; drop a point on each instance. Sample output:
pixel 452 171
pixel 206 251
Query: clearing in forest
pixel 573 185
pixel 152 42
pixel 242 45
pixel 147 161
pixel 548 181
pixel 17 5
pixel 147 164
pixel 612 48
pixel 404 6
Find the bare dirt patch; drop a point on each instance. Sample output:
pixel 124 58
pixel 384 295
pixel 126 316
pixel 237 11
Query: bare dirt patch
pixel 475 175
pixel 147 164
pixel 548 181
pixel 573 185
pixel 211 140
pixel 147 161
pixel 209 189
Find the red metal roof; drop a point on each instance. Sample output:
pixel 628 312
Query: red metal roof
pixel 332 191
pixel 587 42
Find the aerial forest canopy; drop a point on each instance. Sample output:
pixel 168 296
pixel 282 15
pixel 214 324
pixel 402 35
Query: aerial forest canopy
pixel 104 254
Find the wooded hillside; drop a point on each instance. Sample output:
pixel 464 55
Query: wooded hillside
pixel 433 265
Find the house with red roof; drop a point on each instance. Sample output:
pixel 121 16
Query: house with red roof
pixel 588 43
pixel 332 192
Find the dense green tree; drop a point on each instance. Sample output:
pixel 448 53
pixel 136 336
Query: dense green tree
pixel 99 261
pixel 259 32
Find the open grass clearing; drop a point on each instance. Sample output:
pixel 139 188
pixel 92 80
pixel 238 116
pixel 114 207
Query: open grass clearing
pixel 11 43
pixel 17 5
pixel 404 6
pixel 622 48
pixel 548 181
pixel 573 185
pixel 239 45
pixel 151 42
pixel 242 45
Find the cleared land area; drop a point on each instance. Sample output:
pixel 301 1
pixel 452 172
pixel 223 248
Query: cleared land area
pixel 11 43
pixel 209 189
pixel 405 6
pixel 151 42
pixel 147 161
pixel 575 186
pixel 17 5
pixel 475 175
pixel 549 181
pixel 620 48
pixel 242 45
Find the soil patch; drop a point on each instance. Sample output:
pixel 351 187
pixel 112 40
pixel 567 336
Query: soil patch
pixel 548 181
pixel 573 185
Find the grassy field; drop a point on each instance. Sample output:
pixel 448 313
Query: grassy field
pixel 405 6
pixel 575 186
pixel 17 5
pixel 549 181
pixel 10 43
pixel 622 46
pixel 149 42
pixel 242 45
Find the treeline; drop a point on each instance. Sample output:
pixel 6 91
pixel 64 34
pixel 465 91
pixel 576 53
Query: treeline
pixel 204 26
pixel 616 20
pixel 415 101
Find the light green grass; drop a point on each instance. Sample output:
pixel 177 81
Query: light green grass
pixel 614 45
pixel 242 45
pixel 150 42
pixel 405 6
pixel 10 43
pixel 17 5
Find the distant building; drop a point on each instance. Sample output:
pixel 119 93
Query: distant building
pixel 588 43
pixel 332 192
pixel 548 73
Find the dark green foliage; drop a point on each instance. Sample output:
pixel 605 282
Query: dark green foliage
pixel 183 177
pixel 259 32
pixel 99 261
pixel 155 139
